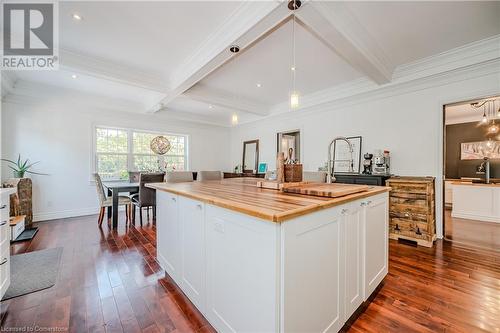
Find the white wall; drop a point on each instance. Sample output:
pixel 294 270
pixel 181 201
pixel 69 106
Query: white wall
pixel 409 124
pixel 60 136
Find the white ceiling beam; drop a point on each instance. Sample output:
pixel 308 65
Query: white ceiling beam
pixel 111 71
pixel 337 27
pixel 223 99
pixel 251 21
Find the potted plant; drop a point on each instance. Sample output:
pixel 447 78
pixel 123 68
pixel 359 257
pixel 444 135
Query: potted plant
pixel 21 167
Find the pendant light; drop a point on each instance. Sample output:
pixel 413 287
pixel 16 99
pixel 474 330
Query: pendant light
pixel 294 95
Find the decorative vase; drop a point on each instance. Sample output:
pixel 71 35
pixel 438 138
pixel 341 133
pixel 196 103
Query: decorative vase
pixel 18 174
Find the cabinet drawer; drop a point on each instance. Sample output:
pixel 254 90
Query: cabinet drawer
pixel 403 208
pixel 4 231
pixel 4 212
pixel 409 188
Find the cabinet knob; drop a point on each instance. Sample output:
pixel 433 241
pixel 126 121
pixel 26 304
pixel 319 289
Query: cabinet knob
pixel 344 211
pixel 3 223
pixel 368 202
pixel 3 261
pixel 3 206
pixel 199 206
pixel 174 200
pixel 363 204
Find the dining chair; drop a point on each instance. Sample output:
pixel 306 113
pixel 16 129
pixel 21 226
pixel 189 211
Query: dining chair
pixel 209 175
pixel 104 201
pixel 179 176
pixel 146 196
pixel 314 176
pixel 133 176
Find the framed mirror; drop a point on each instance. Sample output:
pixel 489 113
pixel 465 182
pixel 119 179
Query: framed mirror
pixel 289 143
pixel 250 156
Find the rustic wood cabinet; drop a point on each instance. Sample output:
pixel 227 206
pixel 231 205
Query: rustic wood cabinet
pixel 412 209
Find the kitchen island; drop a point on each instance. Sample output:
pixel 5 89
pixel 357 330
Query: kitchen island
pixel 258 260
pixel 476 201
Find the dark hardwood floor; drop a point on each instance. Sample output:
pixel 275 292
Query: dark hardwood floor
pixel 110 282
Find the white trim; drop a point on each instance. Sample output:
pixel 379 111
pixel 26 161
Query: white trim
pixel 130 153
pixel 38 217
pixel 484 218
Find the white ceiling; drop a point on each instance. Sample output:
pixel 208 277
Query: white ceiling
pixel 410 30
pixel 269 63
pixel 173 55
pixel 153 36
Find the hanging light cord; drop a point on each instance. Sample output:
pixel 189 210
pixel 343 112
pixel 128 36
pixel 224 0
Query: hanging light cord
pixel 293 50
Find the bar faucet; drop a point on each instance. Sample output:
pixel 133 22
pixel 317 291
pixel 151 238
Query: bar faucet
pixel 487 170
pixel 330 177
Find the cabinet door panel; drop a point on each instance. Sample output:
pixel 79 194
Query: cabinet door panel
pixel 168 234
pixel 192 219
pixel 353 217
pixel 376 242
pixel 313 278
pixel 242 272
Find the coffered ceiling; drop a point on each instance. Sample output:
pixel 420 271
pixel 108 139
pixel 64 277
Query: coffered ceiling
pixel 172 57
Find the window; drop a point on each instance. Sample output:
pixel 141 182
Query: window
pixel 118 151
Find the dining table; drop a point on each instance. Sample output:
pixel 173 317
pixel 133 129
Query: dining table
pixel 114 189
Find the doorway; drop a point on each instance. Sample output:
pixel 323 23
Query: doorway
pixel 471 147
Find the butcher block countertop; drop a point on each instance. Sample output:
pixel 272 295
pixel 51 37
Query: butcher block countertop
pixel 242 195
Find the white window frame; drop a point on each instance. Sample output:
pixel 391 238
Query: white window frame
pixel 130 146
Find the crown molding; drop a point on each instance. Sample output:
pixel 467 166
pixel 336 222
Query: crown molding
pixel 335 25
pixel 490 67
pixel 427 71
pixel 111 71
pixel 29 93
pixel 462 56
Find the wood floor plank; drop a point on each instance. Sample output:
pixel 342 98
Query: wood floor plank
pixel 110 281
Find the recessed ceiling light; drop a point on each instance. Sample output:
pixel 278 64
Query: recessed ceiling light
pixel 293 68
pixel 77 16
pixel 259 85
pixel 210 106
pixel 74 76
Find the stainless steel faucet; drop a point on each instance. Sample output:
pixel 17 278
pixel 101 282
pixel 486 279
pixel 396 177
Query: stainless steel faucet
pixel 330 178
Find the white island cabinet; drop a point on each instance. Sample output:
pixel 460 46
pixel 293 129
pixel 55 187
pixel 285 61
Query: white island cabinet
pixel 245 274
pixel 5 239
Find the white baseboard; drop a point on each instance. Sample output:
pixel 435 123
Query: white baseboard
pixel 62 214
pixel 469 216
pixel 46 216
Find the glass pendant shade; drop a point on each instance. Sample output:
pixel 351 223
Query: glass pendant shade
pixel 234 119
pixel 160 145
pixel 294 100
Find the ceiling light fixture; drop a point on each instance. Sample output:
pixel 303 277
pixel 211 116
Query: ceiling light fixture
pixel 234 48
pixel 258 85
pixel 294 95
pixel 294 4
pixel 77 16
pixel 489 107
pixel 74 76
pixel 210 106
